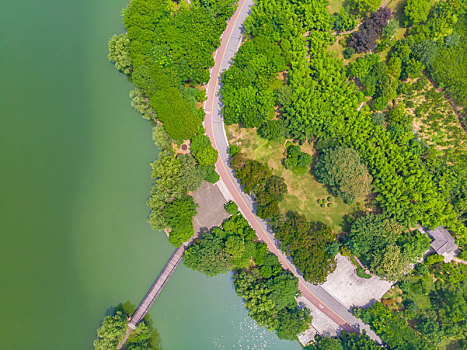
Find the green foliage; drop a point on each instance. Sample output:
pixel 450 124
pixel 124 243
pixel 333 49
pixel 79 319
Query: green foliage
pixel 256 177
pixel 268 290
pixel 296 160
pixel 206 156
pixel 377 79
pixel 141 104
pixel 416 11
pixel 231 207
pixel 306 243
pixel 392 328
pixel 395 67
pixel 160 137
pixel 113 327
pixel 325 105
pixel 414 68
pixel 170 206
pixel 209 173
pixel 272 130
pixel 345 341
pixel 343 21
pixel 434 259
pixel 449 66
pixel 191 174
pixel 248 90
pixel 179 217
pixel 380 244
pixel 119 53
pixel 363 7
pixel 348 52
pixel 175 113
pixel 202 150
pixel 342 170
pixel 209 256
pixel 234 149
pixel 163 51
pixel 283 95
pixel 379 118
pixel 433 302
pixel 261 295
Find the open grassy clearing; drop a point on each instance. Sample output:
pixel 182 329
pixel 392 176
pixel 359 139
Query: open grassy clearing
pixel 303 190
pixel 335 5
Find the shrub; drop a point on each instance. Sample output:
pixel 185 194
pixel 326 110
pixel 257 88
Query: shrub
pixel 231 207
pixel 202 150
pixel 330 205
pixel 201 96
pixel 234 149
pixel 209 173
pixel 348 52
pixel 434 259
pixel 323 205
pixel 271 130
pixel 379 118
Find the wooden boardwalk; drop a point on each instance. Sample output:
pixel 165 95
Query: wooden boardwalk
pixel 153 293
pixel 156 288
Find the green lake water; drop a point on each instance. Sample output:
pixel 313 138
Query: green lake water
pixel 75 175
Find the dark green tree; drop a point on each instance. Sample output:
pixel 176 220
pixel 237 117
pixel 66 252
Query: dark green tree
pixel 342 169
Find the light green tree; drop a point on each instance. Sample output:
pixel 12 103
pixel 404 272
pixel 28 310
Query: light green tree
pixel 119 53
pixel 141 104
pixel 417 11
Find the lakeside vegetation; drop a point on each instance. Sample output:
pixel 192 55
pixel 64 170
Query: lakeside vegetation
pixel 166 53
pixel 291 93
pixel 115 325
pixel 267 289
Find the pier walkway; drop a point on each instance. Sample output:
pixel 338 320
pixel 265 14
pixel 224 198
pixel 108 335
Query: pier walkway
pixel 153 293
pixel 156 288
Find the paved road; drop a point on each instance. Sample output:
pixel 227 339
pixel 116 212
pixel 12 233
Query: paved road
pixel 231 40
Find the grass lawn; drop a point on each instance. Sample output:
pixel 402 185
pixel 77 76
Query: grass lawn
pixel 303 190
pixel 335 5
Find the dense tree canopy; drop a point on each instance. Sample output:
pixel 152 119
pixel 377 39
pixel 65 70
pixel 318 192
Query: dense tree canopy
pixel 256 177
pixel 416 11
pixel 296 159
pixel 362 7
pixel 114 326
pixel 306 243
pixel 202 150
pixel 268 290
pixel 345 341
pixel 381 245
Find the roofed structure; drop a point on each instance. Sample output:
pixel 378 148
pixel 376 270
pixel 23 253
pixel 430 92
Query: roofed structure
pixel 443 243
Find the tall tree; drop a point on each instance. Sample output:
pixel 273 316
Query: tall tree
pixel 342 169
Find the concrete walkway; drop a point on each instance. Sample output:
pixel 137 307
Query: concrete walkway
pixel 214 124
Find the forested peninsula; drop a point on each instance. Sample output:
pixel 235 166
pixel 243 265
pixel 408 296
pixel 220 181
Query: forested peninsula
pixel 347 125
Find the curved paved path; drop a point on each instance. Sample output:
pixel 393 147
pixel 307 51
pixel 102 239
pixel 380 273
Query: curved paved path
pixel 231 40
